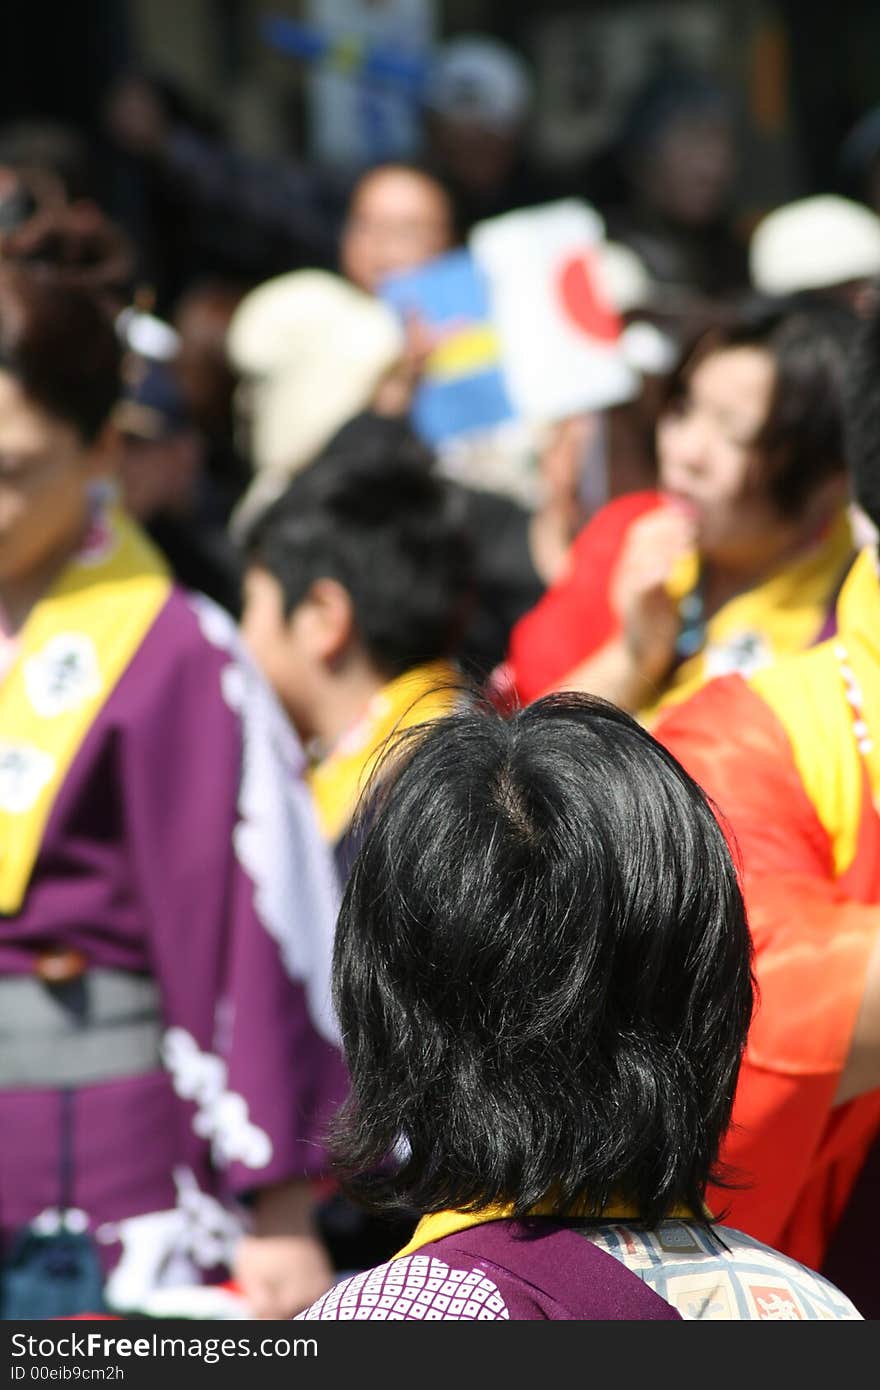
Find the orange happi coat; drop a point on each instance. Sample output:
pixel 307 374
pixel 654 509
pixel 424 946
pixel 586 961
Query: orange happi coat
pixel 792 761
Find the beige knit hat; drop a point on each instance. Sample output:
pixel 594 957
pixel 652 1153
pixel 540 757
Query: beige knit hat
pixel 311 350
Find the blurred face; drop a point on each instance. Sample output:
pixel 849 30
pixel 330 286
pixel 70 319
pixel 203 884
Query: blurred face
pixel 398 220
pixel 474 156
pixel 45 471
pixel 706 450
pixel 279 645
pixel 690 171
pixel 159 476
pixel 201 364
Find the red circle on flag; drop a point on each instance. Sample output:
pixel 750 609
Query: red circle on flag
pixel 583 302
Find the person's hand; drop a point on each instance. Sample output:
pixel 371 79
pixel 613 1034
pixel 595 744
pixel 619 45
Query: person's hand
pixel 280 1275
pixel 562 456
pixel 561 511
pixel 395 392
pixel 81 244
pixel 647 613
pixel 283 1266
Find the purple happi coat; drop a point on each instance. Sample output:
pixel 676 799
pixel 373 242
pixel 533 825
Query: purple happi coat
pixel 182 844
pixel 497 1271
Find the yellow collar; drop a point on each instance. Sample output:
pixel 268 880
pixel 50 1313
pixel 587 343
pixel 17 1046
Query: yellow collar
pixel 337 782
pixel 446 1223
pixel 781 614
pixel 858 606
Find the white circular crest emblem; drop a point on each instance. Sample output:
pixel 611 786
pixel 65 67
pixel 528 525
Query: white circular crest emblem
pixel 63 674
pixel 24 772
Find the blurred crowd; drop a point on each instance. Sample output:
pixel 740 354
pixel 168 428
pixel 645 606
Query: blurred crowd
pixel 204 390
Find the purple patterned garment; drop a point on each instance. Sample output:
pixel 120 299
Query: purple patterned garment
pixel 497 1271
pixel 183 844
pixel 673 1270
pixel 416 1287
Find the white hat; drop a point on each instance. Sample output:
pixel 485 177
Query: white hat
pixel 647 349
pixel 312 350
pixel 625 276
pixel 476 78
pixel 814 244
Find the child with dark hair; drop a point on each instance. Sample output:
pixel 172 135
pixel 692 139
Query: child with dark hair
pixel 356 593
pixel 542 971
pixel 357 589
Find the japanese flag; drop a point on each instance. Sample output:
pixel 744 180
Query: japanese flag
pixel 559 334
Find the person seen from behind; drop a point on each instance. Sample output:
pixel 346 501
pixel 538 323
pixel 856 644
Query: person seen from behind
pixel 542 970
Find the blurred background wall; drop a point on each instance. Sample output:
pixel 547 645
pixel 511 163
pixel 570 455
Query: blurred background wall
pixel 803 70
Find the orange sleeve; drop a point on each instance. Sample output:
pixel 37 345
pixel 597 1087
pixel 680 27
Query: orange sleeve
pixel 812 943
pixel 574 618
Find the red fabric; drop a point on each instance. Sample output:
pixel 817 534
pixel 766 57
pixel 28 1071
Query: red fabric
pixel 813 936
pixel 574 618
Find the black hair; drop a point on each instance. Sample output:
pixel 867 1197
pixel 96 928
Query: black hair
pixel 370 513
pixel 59 342
pixel 863 417
pixel 808 340
pixel 371 437
pixel 542 971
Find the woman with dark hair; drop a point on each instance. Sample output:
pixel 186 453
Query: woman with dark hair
pixel 165 1055
pixel 542 971
pixel 792 759
pixel 738 557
